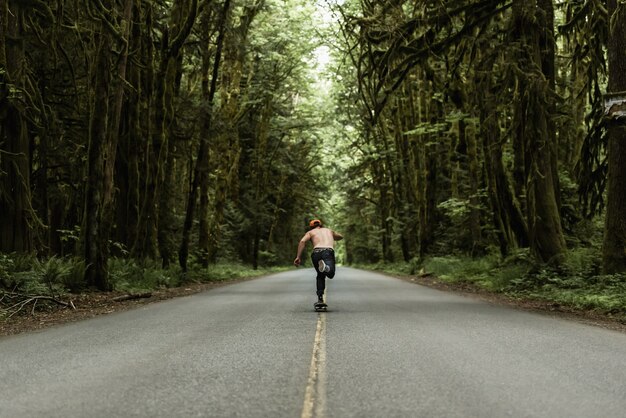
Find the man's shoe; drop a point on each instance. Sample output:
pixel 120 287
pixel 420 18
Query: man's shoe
pixel 321 266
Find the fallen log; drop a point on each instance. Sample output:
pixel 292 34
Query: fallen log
pixel 130 296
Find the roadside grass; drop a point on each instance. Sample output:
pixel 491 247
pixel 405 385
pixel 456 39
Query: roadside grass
pixel 577 284
pixel 130 276
pixel 225 271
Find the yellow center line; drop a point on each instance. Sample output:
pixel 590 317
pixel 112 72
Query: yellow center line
pixel 315 395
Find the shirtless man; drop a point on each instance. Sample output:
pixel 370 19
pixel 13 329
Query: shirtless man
pixel 323 255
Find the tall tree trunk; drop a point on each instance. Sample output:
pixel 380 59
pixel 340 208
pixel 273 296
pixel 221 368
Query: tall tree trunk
pixel 140 159
pixel 547 45
pixel 403 119
pixel 132 144
pixel 430 165
pixel 15 186
pixel 261 171
pixel 413 166
pixel 104 132
pixel 422 169
pixel 507 215
pixel 202 175
pixel 395 163
pixel 95 237
pixel 156 233
pixel 493 157
pixel 167 222
pixel 508 218
pixel 572 131
pixel 200 171
pixel 144 244
pixel 534 128
pixel 183 18
pixel 474 183
pixel 227 143
pixel 113 130
pixel 384 205
pixel 614 247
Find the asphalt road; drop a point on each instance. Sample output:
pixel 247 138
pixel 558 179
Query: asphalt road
pixel 385 348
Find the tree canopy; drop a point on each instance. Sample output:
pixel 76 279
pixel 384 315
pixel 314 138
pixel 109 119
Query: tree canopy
pixel 193 131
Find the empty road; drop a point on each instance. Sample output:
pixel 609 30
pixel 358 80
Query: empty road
pixel 385 348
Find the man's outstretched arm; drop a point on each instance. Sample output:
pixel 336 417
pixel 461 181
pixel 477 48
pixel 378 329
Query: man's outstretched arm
pixel 337 236
pixel 301 246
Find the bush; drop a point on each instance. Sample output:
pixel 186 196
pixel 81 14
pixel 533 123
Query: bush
pixel 6 267
pixel 583 262
pixel 53 272
pixel 74 280
pixel 268 259
pixel 27 274
pixel 128 275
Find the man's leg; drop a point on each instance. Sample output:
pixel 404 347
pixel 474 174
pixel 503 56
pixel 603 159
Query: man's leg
pixel 329 259
pixel 321 286
pixel 320 277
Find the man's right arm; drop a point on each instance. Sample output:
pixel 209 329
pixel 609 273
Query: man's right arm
pixel 301 246
pixel 337 236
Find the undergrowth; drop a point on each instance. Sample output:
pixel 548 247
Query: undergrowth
pixel 577 283
pixel 23 276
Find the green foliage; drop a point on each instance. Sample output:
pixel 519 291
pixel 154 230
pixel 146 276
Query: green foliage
pixel 30 282
pixel 6 266
pixel 604 293
pixel 23 277
pixel 70 235
pixel 128 275
pixel 228 271
pixel 428 128
pixel 486 272
pixel 22 262
pixel 224 271
pixel 268 259
pixel 53 272
pixel 577 283
pixel 74 280
pixel 51 276
pixel 446 268
pixel 585 262
pixel 456 209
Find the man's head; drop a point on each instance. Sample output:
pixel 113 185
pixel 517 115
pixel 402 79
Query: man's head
pixel 315 223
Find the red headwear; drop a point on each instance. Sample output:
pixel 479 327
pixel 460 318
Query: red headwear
pixel 315 223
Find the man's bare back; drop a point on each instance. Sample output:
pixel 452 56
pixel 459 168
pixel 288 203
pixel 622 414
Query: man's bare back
pixel 322 237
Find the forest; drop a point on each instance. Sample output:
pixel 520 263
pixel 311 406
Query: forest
pixel 178 135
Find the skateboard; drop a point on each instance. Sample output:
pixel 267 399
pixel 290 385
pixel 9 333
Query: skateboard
pixel 320 307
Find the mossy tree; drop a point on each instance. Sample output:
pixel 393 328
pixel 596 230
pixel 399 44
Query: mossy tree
pixel 614 246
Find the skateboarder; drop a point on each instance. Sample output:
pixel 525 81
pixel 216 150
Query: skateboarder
pixel 323 255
